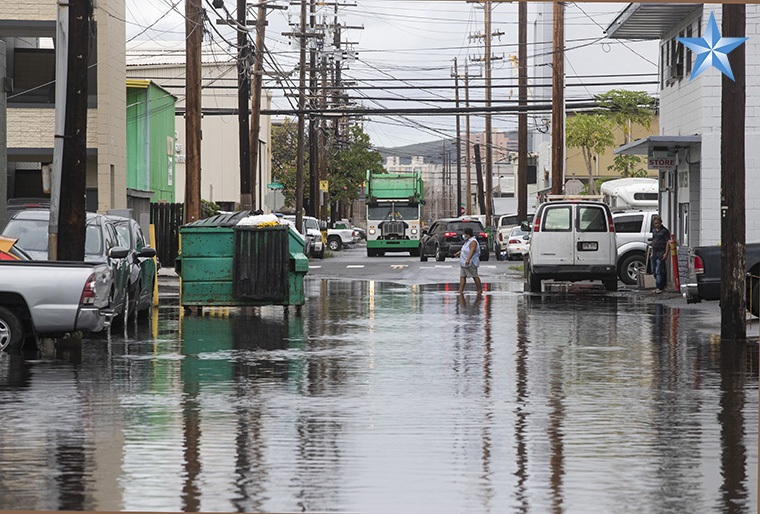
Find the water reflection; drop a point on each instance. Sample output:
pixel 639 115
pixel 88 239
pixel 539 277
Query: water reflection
pixel 383 397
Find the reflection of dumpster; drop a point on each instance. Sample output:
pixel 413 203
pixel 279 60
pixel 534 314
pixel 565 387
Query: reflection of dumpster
pixel 222 264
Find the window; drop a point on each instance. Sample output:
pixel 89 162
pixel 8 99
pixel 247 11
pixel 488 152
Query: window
pixel 629 224
pixel 591 219
pixel 557 219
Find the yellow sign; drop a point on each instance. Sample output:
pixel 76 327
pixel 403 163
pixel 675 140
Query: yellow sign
pixel 324 185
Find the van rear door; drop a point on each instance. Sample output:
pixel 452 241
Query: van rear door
pixel 594 242
pixel 557 248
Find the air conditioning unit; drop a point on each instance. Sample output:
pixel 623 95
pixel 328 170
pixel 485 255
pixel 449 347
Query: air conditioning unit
pixel 673 72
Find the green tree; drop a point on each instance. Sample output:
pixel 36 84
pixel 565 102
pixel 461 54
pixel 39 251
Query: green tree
pixel 624 109
pixel 348 163
pixel 284 159
pixel 592 133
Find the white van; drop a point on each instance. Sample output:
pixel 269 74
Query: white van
pixel 572 241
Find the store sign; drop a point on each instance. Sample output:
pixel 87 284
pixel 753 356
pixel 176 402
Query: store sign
pixel 661 159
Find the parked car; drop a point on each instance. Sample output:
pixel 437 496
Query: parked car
pixel 342 234
pixel 312 234
pixel 518 243
pixel 10 252
pixel 19 204
pixel 445 238
pixel 633 232
pixel 572 241
pixel 141 259
pixel 102 245
pixel 504 225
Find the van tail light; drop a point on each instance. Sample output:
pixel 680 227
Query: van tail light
pixel 536 224
pixel 449 234
pixel 88 292
pixel 483 234
pixel 699 265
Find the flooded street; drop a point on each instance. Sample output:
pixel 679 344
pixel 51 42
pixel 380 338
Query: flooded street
pixel 383 397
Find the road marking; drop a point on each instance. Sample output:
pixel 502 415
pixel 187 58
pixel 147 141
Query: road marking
pixel 436 266
pixel 314 267
pixel 354 265
pixel 398 266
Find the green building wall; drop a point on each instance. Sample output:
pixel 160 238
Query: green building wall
pixel 150 139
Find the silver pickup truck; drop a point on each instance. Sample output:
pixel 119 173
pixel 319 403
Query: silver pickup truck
pixel 51 299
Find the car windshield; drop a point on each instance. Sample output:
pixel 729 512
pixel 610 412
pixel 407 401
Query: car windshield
pixel 518 231
pixel 311 223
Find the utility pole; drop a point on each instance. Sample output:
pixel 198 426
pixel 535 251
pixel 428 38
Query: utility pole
pixel 61 79
pixel 301 117
pixel 522 117
pixel 323 146
pixel 74 163
pixel 193 40
pixel 459 143
pixel 3 136
pixel 313 143
pixel 244 90
pixel 558 99
pixel 733 322
pixel 468 177
pixel 489 134
pixel 479 178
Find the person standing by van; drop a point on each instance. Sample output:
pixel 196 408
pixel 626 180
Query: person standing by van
pixel 660 252
pixel 469 260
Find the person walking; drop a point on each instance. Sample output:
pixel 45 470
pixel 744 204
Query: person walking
pixel 660 252
pixel 469 260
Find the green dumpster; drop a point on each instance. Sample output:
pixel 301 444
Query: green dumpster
pixel 225 264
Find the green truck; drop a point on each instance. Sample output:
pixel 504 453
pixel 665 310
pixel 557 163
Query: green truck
pixel 394 212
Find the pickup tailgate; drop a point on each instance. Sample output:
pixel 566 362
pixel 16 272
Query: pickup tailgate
pixel 52 293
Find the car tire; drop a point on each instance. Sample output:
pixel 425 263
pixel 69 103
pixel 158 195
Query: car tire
pixel 334 243
pixel 611 284
pixel 421 252
pixel 145 312
pixel 629 268
pixel 484 257
pixel 11 331
pixel 371 252
pixel 534 283
pixel 415 252
pixel 439 255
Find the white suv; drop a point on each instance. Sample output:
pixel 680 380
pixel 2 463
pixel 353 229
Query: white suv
pixel 633 230
pixel 572 241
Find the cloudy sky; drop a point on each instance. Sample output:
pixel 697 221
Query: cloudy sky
pixel 405 51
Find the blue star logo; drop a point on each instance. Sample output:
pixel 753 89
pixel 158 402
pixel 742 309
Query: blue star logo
pixel 712 49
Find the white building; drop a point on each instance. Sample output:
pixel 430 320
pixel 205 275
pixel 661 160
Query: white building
pixel 690 119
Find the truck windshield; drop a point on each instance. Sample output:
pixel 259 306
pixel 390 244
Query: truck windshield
pixel 401 211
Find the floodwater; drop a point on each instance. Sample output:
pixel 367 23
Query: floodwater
pixel 389 398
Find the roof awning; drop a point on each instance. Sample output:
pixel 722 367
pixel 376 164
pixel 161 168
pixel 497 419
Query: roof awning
pixel 642 146
pixel 649 21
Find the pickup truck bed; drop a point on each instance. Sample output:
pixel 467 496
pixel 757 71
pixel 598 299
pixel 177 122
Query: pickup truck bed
pixel 41 298
pixel 706 275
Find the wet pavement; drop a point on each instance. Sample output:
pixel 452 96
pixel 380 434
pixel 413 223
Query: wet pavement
pixel 386 396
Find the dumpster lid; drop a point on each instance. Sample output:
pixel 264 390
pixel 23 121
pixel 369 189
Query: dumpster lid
pixel 223 219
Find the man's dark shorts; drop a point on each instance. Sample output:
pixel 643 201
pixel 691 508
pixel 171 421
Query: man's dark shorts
pixel 468 272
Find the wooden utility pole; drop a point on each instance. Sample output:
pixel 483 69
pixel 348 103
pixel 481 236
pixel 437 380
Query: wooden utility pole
pixel 313 142
pixel 301 117
pixel 468 177
pixel 258 72
pixel 489 129
pixel 733 324
pixel 458 207
pixel 522 117
pixel 193 40
pixel 72 215
pixel 244 90
pixel 323 147
pixel 479 178
pixel 558 99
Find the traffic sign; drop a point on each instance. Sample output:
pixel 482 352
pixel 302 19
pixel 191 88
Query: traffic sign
pixel 324 185
pixel 274 185
pixel 275 200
